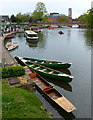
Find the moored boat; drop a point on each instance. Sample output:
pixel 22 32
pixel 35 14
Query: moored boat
pixel 11 45
pixel 9 36
pixel 52 64
pixel 50 93
pixel 31 35
pixel 45 71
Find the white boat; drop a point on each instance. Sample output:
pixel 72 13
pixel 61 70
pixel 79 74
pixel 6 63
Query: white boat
pixel 31 35
pixel 75 26
pixel 11 45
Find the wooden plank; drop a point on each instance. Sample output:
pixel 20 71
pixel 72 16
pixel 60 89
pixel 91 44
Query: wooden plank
pixel 65 104
pixel 13 80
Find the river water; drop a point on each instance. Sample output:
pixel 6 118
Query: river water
pixel 73 46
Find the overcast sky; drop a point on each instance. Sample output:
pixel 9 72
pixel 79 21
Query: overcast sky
pixel 9 7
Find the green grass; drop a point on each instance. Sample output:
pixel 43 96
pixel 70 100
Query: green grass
pixel 20 103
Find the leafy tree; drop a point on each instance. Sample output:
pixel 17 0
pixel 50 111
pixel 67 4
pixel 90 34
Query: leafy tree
pixel 13 18
pixel 40 12
pixel 22 17
pixel 63 19
pixel 87 18
pixel 18 17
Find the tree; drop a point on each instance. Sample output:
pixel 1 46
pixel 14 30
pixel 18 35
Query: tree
pixel 22 17
pixel 63 19
pixel 13 18
pixel 18 17
pixel 87 18
pixel 40 12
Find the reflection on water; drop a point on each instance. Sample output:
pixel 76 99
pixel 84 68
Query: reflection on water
pixel 60 83
pixel 32 43
pixel 89 37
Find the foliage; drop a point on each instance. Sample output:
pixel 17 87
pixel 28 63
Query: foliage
pixel 63 19
pixel 19 103
pixel 40 13
pixel 22 17
pixel 12 71
pixel 87 18
pixel 13 18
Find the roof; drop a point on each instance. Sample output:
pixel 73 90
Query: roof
pixel 30 32
pixel 56 15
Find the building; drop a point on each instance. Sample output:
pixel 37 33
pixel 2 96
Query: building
pixel 53 17
pixel 70 12
pixel 4 18
pixel 92 4
pixel 53 13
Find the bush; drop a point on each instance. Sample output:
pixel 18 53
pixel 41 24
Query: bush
pixel 12 71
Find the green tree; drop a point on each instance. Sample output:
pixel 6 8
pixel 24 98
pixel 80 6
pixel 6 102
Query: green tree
pixel 13 18
pixel 22 17
pixel 40 12
pixel 63 19
pixel 87 18
pixel 18 17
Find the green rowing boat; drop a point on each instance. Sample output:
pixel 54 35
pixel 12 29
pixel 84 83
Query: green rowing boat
pixel 52 64
pixel 45 71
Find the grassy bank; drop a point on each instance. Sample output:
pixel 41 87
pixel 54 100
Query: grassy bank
pixel 20 103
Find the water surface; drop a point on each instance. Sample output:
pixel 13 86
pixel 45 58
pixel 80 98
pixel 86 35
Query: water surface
pixel 73 46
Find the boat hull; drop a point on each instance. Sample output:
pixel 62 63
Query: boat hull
pixel 52 64
pixel 50 93
pixel 64 79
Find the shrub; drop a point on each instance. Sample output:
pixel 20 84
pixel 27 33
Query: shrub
pixel 12 71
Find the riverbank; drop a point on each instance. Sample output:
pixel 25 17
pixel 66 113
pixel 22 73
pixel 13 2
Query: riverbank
pixel 18 102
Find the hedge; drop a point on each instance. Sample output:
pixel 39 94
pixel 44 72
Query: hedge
pixel 12 71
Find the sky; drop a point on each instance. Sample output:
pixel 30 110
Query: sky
pixel 79 7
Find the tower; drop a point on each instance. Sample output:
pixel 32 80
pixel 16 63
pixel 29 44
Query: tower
pixel 70 12
pixel 92 4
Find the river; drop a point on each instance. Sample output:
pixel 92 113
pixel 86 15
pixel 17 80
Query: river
pixel 73 46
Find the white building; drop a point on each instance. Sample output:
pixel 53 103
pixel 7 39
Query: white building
pixel 70 12
pixel 92 4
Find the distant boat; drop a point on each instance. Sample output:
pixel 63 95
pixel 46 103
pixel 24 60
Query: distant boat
pixel 37 30
pixel 52 64
pixel 75 26
pixel 31 35
pixel 49 92
pixel 60 32
pixel 45 71
pixel 11 45
pixel 9 36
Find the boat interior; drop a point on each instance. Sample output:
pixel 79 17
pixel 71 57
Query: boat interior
pixel 42 69
pixel 50 91
pixel 47 88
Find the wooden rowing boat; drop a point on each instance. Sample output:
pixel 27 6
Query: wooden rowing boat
pixel 50 92
pixel 11 45
pixel 52 64
pixel 9 36
pixel 45 71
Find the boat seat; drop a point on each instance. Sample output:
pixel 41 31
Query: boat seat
pixel 48 88
pixel 31 65
pixel 42 62
pixel 36 67
pixel 35 61
pixel 43 70
pixel 51 72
